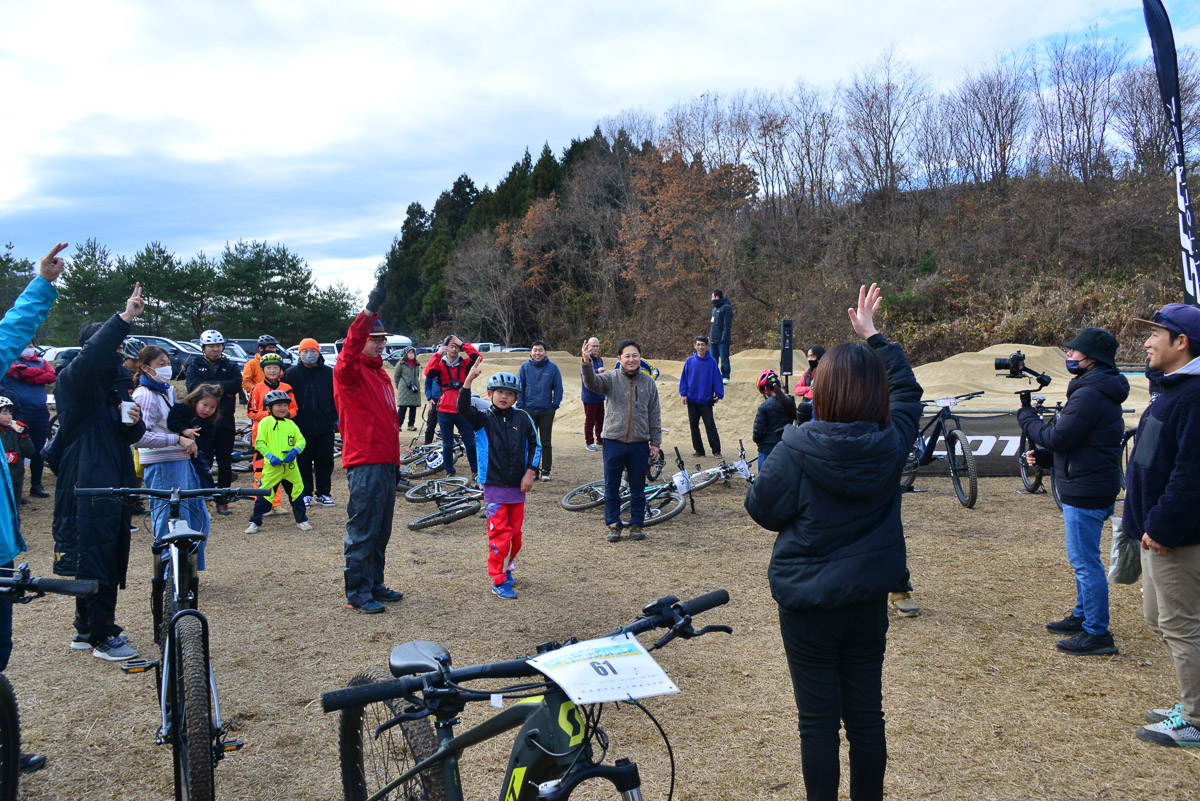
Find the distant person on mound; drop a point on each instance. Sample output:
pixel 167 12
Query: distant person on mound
pixel 700 387
pixel 803 388
pixel 774 415
pixel 593 402
pixel 1085 445
pixel 507 439
pixel 720 332
pixel 830 490
pixel 541 392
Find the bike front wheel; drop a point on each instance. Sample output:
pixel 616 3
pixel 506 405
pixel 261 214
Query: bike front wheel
pixel 446 514
pixel 193 740
pixel 420 467
pixel 431 490
pixel 962 468
pixel 1031 477
pixel 369 762
pixel 911 462
pixel 705 478
pixel 10 741
pixel 662 506
pixel 589 496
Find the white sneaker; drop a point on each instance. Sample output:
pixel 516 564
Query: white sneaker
pixel 724 380
pixel 592 448
pixel 252 528
pixel 323 500
pixel 304 526
pixel 308 501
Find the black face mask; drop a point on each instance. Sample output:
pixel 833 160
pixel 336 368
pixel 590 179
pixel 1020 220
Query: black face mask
pixel 717 302
pixel 812 364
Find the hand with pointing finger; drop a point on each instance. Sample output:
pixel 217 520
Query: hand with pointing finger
pixel 52 264
pixel 135 304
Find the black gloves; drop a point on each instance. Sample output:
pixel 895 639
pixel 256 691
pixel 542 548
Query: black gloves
pixel 375 299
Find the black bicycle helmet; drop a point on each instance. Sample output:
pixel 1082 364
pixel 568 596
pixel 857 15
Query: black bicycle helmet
pixel 132 347
pixel 276 396
pixel 267 339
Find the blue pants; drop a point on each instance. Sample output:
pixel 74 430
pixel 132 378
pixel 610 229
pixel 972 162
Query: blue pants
pixel 1083 527
pixel 621 457
pixel 447 422
pixel 169 475
pixel 720 352
pixel 369 528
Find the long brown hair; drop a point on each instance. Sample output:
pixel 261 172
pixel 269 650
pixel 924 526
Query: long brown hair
pixel 851 385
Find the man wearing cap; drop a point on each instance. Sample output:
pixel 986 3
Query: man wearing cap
pixel 312 384
pixel 366 402
pixel 1162 512
pixel 1085 447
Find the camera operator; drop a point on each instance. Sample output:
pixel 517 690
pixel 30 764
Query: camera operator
pixel 1085 448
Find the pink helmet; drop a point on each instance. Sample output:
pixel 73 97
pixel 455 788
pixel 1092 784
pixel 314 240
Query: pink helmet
pixel 767 381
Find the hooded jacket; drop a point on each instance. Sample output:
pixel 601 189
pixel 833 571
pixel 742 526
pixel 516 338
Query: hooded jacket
pixel 832 491
pixel 365 400
pixel 721 329
pixel 224 374
pixel 541 385
pixel 770 421
pixel 25 383
pixel 1086 440
pixel 312 388
pixel 408 374
pixel 1161 498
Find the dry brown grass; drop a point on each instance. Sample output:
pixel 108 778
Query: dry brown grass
pixel 979 704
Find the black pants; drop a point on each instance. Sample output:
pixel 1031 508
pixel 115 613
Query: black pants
pixel 96 615
pixel 37 426
pixel 317 456
pixel 412 415
pixel 545 427
pixel 431 421
pixel 696 413
pixel 836 660
pixel 223 452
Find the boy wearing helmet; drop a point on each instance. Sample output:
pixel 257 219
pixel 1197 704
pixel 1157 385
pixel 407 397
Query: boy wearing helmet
pixel 17 446
pixel 279 441
pixel 252 373
pixel 509 453
pixel 256 409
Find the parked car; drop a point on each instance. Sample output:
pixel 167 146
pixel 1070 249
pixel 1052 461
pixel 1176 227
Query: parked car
pixel 250 348
pixel 180 353
pixel 55 355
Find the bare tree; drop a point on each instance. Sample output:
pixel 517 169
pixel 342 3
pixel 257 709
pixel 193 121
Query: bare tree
pixel 814 127
pixel 484 286
pixel 992 117
pixel 638 124
pixel 1141 123
pixel 932 149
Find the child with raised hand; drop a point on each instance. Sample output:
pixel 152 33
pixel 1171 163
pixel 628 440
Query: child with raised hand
pixel 279 441
pixel 507 440
pixel 195 417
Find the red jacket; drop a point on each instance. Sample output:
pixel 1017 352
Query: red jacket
pixel 451 378
pixel 34 371
pixel 366 402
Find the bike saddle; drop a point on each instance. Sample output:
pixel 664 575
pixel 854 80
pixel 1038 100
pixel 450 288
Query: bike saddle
pixel 181 534
pixel 419 656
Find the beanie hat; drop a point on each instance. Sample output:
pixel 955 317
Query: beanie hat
pixel 308 343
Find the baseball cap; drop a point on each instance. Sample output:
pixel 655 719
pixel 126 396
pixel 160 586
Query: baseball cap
pixel 1178 318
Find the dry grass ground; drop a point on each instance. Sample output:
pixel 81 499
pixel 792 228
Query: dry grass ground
pixel 979 704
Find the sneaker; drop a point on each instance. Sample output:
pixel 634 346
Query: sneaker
pixel 545 477
pixel 717 455
pixel 635 533
pixel 114 649
pixel 904 605
pixel 1159 715
pixel 388 596
pixel 412 428
pixel 31 763
pixel 279 510
pixel 304 525
pixel 252 528
pixel 1084 644
pixel 592 448
pixel 223 509
pixel 1068 625
pixel 323 500
pixel 614 532
pixel 82 642
pixel 505 590
pixel 371 607
pixel 308 501
pixel 1174 731
pixel 724 380
pixel 24 501
pixel 697 455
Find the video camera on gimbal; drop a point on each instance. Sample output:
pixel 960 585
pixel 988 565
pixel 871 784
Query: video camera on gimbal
pixel 1015 367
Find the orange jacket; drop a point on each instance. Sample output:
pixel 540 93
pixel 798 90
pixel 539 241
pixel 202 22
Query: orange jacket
pixel 256 412
pixel 252 375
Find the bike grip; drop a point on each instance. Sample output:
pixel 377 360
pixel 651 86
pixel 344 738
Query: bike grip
pixel 373 692
pixel 78 587
pixel 251 493
pixel 95 491
pixel 708 600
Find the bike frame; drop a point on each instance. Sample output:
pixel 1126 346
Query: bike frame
pixel 937 428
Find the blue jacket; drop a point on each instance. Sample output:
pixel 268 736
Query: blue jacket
pixel 506 442
pixel 1164 471
pixel 16 331
pixel 832 491
pixel 700 380
pixel 586 395
pixel 541 385
pixel 433 387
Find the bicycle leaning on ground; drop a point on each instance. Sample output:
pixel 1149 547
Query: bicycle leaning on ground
pixel 187 689
pixel 455 496
pixel 389 748
pixel 19 586
pixel 963 474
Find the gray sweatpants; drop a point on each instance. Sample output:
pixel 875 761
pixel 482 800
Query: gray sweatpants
pixel 372 502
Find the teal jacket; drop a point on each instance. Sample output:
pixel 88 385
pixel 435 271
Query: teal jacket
pixel 16 331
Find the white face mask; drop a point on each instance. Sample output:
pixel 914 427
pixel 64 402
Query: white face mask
pixel 28 353
pixel 163 374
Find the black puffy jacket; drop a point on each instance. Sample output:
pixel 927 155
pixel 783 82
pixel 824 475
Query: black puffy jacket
pixel 1086 440
pixel 770 421
pixel 506 442
pixel 312 387
pixel 224 374
pixel 832 491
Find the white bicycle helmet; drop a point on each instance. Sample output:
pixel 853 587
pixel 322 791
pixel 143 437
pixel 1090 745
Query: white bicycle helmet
pixel 212 337
pixel 5 403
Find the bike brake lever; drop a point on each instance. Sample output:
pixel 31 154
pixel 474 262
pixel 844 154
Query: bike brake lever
pixel 707 629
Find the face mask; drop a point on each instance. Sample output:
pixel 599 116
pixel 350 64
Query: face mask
pixel 309 358
pixel 812 364
pixel 716 303
pixel 1073 367
pixel 163 374
pixel 28 353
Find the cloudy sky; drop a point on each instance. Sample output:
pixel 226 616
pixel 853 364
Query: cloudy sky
pixel 315 124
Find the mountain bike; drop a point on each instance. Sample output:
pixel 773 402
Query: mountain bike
pixel 456 498
pixel 425 460
pixel 945 423
pixel 1031 475
pixel 389 748
pixel 19 586
pixel 663 501
pixel 190 712
pixel 591 495
pixel 722 472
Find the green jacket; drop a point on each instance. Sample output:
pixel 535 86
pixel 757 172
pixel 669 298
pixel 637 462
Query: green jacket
pixel 408 376
pixel 278 437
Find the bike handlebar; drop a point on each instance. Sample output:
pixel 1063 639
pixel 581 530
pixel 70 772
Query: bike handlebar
pixel 664 617
pixel 146 492
pixel 15 583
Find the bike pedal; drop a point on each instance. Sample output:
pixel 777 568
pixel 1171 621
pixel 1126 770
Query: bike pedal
pixel 231 745
pixel 138 665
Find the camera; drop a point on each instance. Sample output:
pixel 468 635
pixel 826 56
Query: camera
pixel 1014 364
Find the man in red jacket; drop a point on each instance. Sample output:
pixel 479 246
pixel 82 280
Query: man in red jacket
pixel 451 365
pixel 366 403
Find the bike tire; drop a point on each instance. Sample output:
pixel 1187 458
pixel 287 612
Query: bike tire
pixel 1054 490
pixel 589 496
pixel 432 490
pixel 962 467
pixel 654 468
pixel 908 474
pixel 1031 477
pixel 446 514
pixel 193 740
pixel 418 452
pixel 660 508
pixel 368 763
pixel 10 742
pixel 420 468
pixel 705 478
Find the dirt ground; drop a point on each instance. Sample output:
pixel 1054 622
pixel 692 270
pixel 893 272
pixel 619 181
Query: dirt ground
pixel 979 704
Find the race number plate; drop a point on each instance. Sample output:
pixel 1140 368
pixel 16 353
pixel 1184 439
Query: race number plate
pixel 605 669
pixel 946 402
pixel 682 483
pixel 742 468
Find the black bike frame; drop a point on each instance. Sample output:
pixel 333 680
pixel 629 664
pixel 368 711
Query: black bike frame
pixel 937 428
